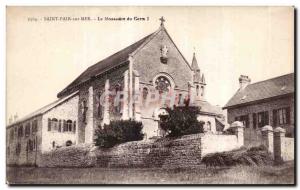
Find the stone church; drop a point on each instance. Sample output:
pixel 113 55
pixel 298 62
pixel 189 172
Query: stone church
pixel 152 64
pixel 144 78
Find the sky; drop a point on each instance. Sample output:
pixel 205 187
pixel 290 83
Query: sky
pixel 43 56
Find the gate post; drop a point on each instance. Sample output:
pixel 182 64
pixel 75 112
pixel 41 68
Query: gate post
pixel 279 134
pixel 267 138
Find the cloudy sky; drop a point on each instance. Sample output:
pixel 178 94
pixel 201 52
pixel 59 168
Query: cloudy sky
pixel 45 56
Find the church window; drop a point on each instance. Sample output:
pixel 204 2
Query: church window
pixel 53 144
pixel 162 84
pixel 179 99
pixel 145 93
pixel 197 90
pixel 202 90
pixel 27 129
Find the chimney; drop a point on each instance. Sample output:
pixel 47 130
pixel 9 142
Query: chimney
pixel 244 81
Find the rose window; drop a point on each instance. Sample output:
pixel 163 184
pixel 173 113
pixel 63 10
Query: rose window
pixel 162 84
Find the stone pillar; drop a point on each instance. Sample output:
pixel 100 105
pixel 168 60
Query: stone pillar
pixel 106 119
pixel 137 97
pixel 279 135
pixel 267 137
pixel 89 129
pixel 239 132
pixel 130 107
pixel 125 97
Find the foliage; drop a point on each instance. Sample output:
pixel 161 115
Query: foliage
pixel 181 121
pixel 256 156
pixel 118 132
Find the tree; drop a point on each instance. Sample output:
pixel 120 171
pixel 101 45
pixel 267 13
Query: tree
pixel 181 121
pixel 118 132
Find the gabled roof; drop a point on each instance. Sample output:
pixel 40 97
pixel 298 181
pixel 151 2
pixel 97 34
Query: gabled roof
pixel 106 64
pixel 44 109
pixel 115 60
pixel 266 89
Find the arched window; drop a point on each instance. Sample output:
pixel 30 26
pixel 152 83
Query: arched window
pixel 145 93
pixel 54 124
pixel 197 90
pixel 69 126
pixel 117 99
pixel 59 126
pixel 162 84
pixel 69 143
pixel 202 90
pixel 53 144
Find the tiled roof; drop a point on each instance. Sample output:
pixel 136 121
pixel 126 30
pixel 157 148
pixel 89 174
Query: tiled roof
pixel 274 87
pixel 44 109
pixel 106 64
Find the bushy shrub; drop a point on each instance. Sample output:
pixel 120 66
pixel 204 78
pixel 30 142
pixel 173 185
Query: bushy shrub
pixel 253 156
pixel 181 121
pixel 118 132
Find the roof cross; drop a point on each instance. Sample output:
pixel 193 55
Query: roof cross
pixel 162 20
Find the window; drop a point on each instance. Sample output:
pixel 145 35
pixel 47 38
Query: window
pixel 281 116
pixel 162 84
pixel 117 99
pixel 34 126
pixel 263 119
pixel 20 131
pixel 69 143
pixel 18 149
pixel 27 129
pixel 202 90
pixel 49 124
pixel 69 126
pixel 180 101
pixel 11 135
pixel 53 144
pixel 145 93
pixel 197 90
pixel 244 119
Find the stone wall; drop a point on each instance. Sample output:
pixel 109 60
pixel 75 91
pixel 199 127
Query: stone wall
pixel 288 149
pixel 186 151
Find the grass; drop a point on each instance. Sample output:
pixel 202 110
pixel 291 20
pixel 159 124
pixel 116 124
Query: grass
pixel 283 174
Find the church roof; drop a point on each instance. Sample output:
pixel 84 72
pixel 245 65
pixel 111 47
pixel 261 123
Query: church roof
pixel 115 60
pixel 106 64
pixel 207 108
pixel 44 109
pixel 275 87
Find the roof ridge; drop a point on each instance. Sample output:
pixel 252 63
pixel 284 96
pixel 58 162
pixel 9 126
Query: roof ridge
pixel 270 79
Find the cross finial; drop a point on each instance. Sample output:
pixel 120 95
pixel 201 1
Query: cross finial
pixel 162 20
